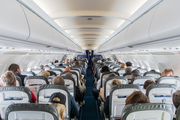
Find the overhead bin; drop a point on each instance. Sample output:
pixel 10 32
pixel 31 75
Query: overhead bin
pixel 13 22
pixel 166 20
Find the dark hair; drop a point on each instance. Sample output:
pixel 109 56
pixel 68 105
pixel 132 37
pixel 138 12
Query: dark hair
pixel 13 67
pixel 58 80
pixel 148 82
pixel 137 97
pixel 128 64
pixel 56 61
pixel 176 98
pixel 105 69
pixel 136 72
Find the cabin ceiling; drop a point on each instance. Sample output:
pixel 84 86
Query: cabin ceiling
pixel 89 22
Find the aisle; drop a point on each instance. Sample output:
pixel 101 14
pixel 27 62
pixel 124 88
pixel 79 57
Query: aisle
pixel 89 110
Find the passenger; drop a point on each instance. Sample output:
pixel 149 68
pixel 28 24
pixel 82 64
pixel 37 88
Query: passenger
pixel 67 61
pixel 128 64
pixel 176 101
pixel 102 89
pixel 168 72
pixel 135 73
pixel 59 101
pixel 8 79
pixel 17 71
pixel 137 97
pixel 67 69
pixel 147 83
pixel 106 104
pixel 56 61
pixel 51 72
pixel 128 70
pixel 78 63
pixel 74 108
pixel 123 65
pixel 127 73
pixel 45 74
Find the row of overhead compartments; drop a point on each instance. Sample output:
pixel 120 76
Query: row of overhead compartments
pixel 158 27
pixel 20 26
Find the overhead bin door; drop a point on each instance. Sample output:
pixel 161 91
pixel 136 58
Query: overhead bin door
pixel 166 20
pixel 13 22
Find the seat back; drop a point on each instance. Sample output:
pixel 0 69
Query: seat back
pixel 117 97
pixel 31 112
pixel 169 80
pixel 18 81
pixel 33 82
pixel 153 73
pixel 10 95
pixel 52 66
pixel 28 73
pixel 60 67
pixel 147 111
pixel 37 71
pixel 121 71
pixel 45 91
pixel 178 114
pixel 142 70
pixel 57 71
pixel 105 75
pixel 108 82
pixel 70 84
pixel 161 93
pixel 128 76
pixel 141 79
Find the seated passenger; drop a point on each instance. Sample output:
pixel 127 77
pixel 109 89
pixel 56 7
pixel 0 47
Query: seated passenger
pixel 176 101
pixel 135 73
pixel 128 64
pixel 74 108
pixel 59 100
pixel 78 63
pixel 67 69
pixel 137 97
pixel 51 72
pixel 168 72
pixel 147 83
pixel 8 79
pixel 67 61
pixel 127 73
pixel 17 71
pixel 123 65
pixel 56 61
pixel 106 104
pixel 45 74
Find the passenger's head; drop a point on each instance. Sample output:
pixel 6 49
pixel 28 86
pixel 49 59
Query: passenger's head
pixel 137 97
pixel 67 61
pixel 128 70
pixel 123 65
pixel 168 72
pixel 69 74
pixel 67 69
pixel 45 74
pixel 147 83
pixel 42 67
pixel 135 73
pixel 58 81
pixel 115 82
pixel 176 99
pixel 128 64
pixel 56 61
pixel 112 75
pixel 105 69
pixel 76 63
pixel 8 79
pixel 14 68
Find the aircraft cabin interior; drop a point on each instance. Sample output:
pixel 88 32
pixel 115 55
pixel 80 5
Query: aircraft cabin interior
pixel 89 59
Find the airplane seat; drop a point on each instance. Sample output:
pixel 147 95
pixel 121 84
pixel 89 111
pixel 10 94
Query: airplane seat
pixel 33 82
pixel 52 66
pixel 108 82
pixel 134 67
pixel 169 80
pixel 161 93
pixel 47 68
pixel 45 91
pixel 178 114
pixel 37 71
pixel 18 81
pixel 147 111
pixel 142 70
pixel 128 76
pixel 121 71
pixel 56 64
pixel 104 76
pixel 57 71
pixel 116 68
pixel 117 97
pixel 31 112
pixel 77 71
pixel 153 73
pixel 60 67
pixel 70 84
pixel 28 73
pixel 11 95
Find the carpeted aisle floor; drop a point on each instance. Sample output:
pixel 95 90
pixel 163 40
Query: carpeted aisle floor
pixel 89 110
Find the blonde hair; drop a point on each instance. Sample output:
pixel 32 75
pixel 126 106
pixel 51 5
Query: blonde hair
pixel 123 65
pixel 115 82
pixel 8 79
pixel 60 107
pixel 45 74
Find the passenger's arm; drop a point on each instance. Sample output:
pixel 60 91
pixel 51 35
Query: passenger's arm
pixel 106 106
pixel 74 107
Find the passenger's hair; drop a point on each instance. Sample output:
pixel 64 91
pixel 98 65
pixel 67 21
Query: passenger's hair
pixel 128 70
pixel 105 69
pixel 115 82
pixel 147 83
pixel 69 74
pixel 8 79
pixel 137 97
pixel 13 67
pixel 45 74
pixel 56 61
pixel 123 65
pixel 41 67
pixel 176 99
pixel 58 80
pixel 76 63
pixel 112 75
pixel 136 73
pixel 167 72
pixel 67 69
pixel 60 108
pixel 128 64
